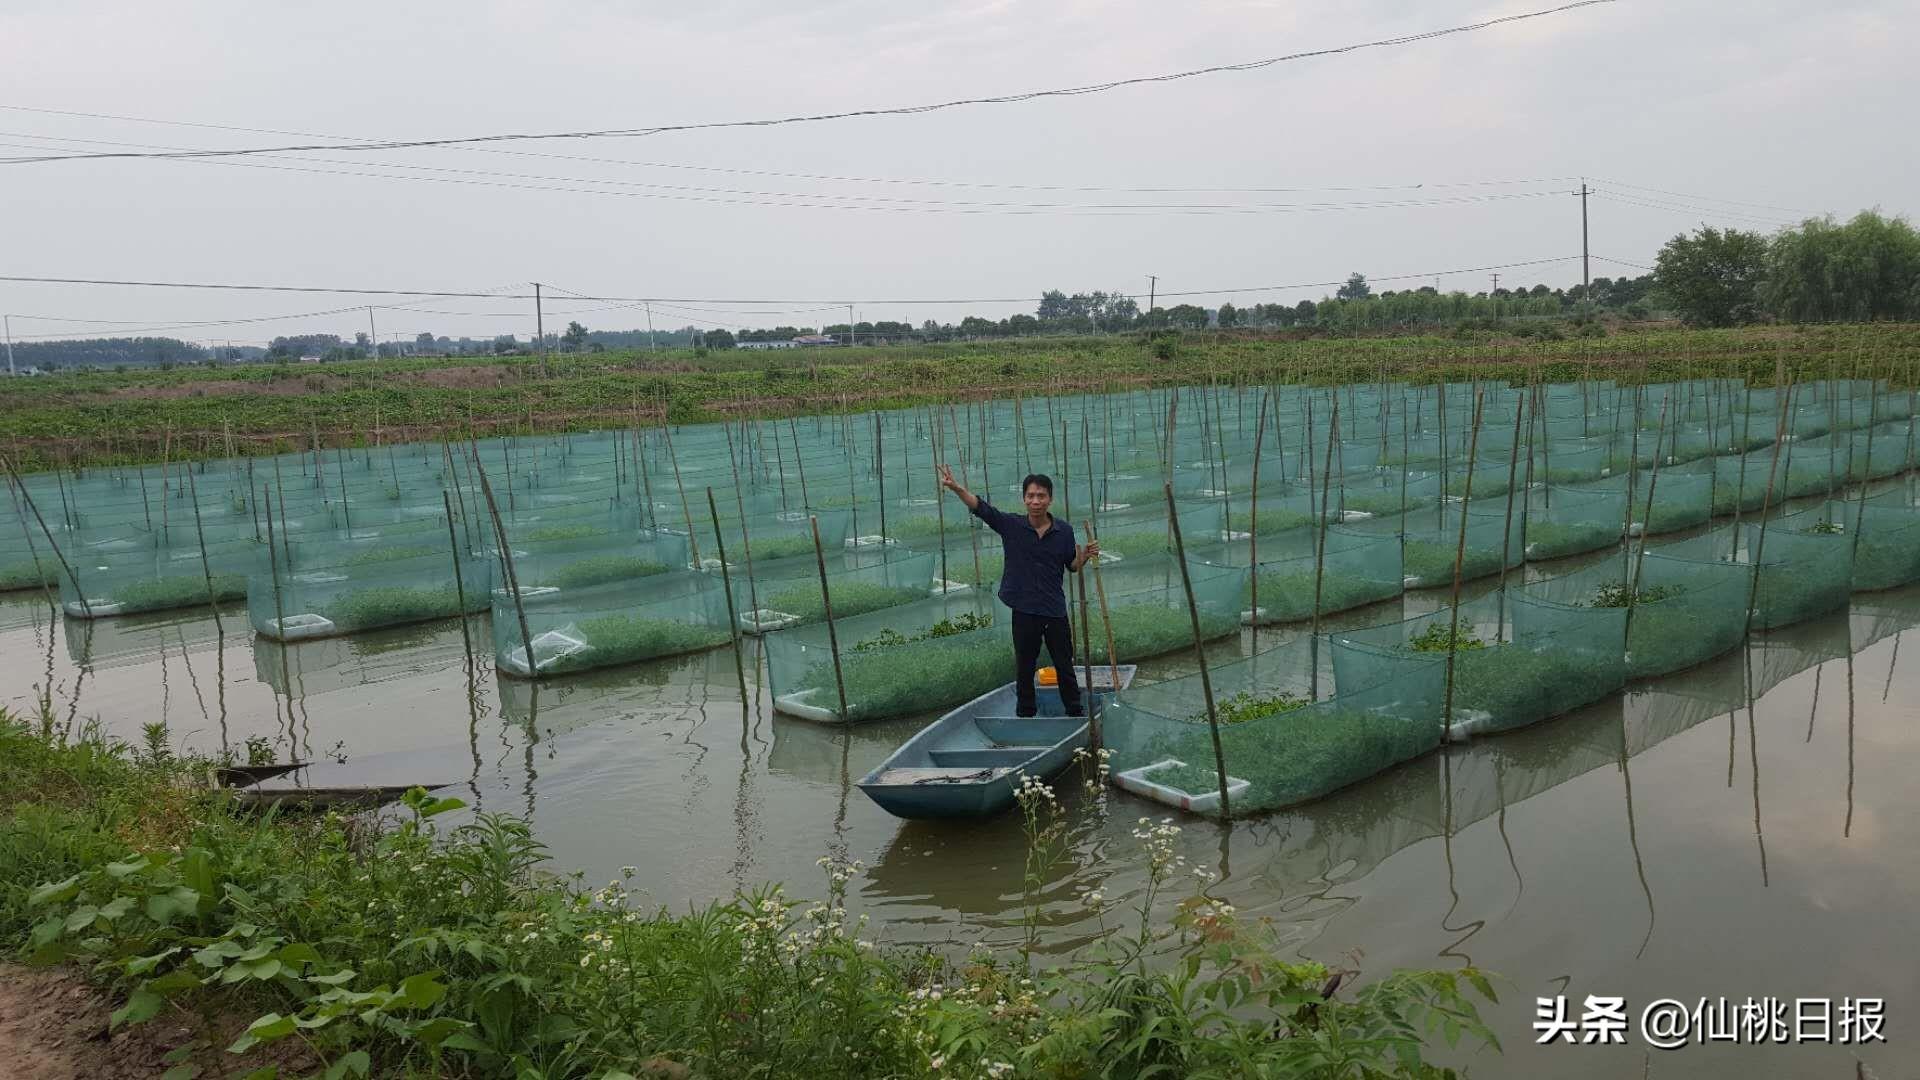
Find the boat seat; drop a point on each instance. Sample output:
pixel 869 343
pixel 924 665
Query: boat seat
pixel 1028 730
pixel 907 776
pixel 984 757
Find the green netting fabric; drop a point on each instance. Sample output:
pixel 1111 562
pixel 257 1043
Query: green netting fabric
pixel 401 585
pixel 130 582
pixel 1686 613
pixel 1801 574
pixel 1556 658
pixel 788 592
pixel 910 659
pixel 614 623
pixel 1280 747
pixel 26 562
pixel 1885 542
pixel 1433 536
pixel 1572 521
pixel 597 559
pixel 1359 569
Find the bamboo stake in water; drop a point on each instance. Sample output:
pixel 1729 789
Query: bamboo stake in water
pixel 686 514
pixel 1639 563
pixel 1320 552
pixel 1459 557
pixel 1095 726
pixel 1506 536
pixel 459 582
pixel 746 540
pixel 206 569
pixel 21 486
pixel 1766 504
pixel 1253 519
pixel 506 563
pixel 833 635
pixel 279 613
pixel 799 463
pixel 733 616
pixel 1199 650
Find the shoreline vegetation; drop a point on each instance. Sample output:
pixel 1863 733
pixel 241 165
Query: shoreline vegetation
pixel 98 417
pixel 404 947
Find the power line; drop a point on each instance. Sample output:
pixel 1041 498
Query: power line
pixel 1623 262
pixel 907 110
pixel 1706 198
pixel 1711 212
pixel 814 177
pixel 817 201
pixel 761 303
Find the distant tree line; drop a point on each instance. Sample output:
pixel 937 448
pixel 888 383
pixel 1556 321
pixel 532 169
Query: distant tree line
pixel 1817 271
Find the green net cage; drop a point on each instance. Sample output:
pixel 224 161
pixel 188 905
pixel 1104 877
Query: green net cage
pixel 905 660
pixel 788 593
pixel 387 585
pixel 1685 611
pixel 1800 575
pixel 150 579
pixel 1494 537
pixel 609 624
pixel 1358 569
pixel 1572 521
pixel 1280 746
pixel 1517 659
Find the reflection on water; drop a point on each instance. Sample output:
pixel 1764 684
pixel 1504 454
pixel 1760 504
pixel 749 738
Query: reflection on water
pixel 1740 828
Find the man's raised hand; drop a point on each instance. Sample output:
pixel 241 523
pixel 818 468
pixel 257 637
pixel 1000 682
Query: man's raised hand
pixel 946 478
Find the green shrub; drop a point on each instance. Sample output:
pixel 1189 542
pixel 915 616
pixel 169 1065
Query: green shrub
pixel 1556 539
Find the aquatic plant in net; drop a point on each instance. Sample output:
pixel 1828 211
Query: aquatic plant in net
pixel 1571 521
pixel 605 625
pixel 1550 660
pixel 1685 613
pixel 1280 748
pixel 1359 569
pixel 922 656
pixel 1433 537
pixel 365 594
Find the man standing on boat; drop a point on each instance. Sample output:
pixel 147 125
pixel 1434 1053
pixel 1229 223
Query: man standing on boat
pixel 1038 549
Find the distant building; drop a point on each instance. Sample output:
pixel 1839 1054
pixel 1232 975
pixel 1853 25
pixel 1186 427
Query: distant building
pixel 816 339
pixel 767 344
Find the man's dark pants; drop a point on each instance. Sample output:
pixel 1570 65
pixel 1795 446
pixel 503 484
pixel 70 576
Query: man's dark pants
pixel 1029 633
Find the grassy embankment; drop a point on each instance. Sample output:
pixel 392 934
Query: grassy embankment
pixel 406 950
pixel 127 416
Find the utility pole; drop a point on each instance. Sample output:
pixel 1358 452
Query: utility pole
pixel 651 344
pixel 540 326
pixel 373 335
pixel 9 321
pixel 1495 299
pixel 1586 267
pixel 849 324
pixel 1153 286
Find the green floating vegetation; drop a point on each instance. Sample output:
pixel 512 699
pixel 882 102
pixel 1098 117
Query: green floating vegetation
pixel 1271 521
pixel 1381 503
pixel 849 598
pixel 1515 685
pixel 1672 516
pixel 888 637
pixel 563 532
pixel 1246 706
pixel 364 609
pixel 886 680
pixel 1670 633
pixel 1440 638
pixel 1555 539
pixel 1294 755
pixel 622 639
pixel 1616 595
pixel 183 590
pixel 390 554
pixel 599 569
pixel 1288 597
pixel 781 547
pixel 29 574
pixel 1429 563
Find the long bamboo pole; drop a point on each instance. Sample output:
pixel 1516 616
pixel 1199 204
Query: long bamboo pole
pixel 733 616
pixel 1199 652
pixel 833 635
pixel 1459 558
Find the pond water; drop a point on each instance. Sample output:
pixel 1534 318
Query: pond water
pixel 1678 840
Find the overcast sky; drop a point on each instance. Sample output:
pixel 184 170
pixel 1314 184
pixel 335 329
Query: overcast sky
pixel 1747 115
